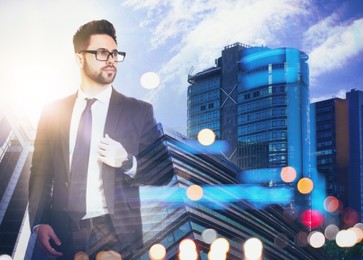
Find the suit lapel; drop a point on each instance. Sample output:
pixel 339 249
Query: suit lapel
pixel 113 114
pixel 65 128
pixel 108 173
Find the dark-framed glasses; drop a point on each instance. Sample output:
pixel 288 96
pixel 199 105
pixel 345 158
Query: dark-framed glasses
pixel 104 54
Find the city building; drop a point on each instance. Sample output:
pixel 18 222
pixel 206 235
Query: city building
pixel 355 182
pixel 256 100
pixel 332 146
pixel 234 211
pixel 15 156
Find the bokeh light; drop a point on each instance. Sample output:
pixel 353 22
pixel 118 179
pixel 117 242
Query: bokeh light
pixel 253 248
pixel 316 239
pixel 350 217
pixel 312 218
pixel 150 80
pixel 157 252
pixel 218 249
pixel 331 231
pixel 187 250
pixel 83 256
pixel 206 137
pixel 108 255
pixel 305 185
pixel 5 257
pixel 281 240
pixel 290 213
pixel 194 192
pixel 220 245
pixel 288 174
pixel 331 204
pixel 209 235
pixel 346 238
pixel 301 238
pixel 358 234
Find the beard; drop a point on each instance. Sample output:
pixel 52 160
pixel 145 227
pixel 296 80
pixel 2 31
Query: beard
pixel 102 77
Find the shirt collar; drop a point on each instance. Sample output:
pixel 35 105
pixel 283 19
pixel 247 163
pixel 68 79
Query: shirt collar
pixel 104 96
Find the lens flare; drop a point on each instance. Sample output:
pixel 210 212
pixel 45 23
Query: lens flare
pixel 331 204
pixel 187 250
pixel 253 248
pixel 281 240
pixel 206 137
pixel 316 239
pixel 157 252
pixel 288 174
pixel 312 218
pixel 5 257
pixel 350 217
pixel 209 235
pixel 305 185
pixel 301 238
pixel 220 244
pixel 108 255
pixel 331 231
pixel 359 231
pixel 346 238
pixel 358 234
pixel 83 256
pixel 194 192
pixel 150 80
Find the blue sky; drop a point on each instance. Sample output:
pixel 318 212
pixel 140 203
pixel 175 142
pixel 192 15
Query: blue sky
pixel 170 37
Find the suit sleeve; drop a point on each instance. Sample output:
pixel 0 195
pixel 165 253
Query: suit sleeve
pixel 152 155
pixel 40 182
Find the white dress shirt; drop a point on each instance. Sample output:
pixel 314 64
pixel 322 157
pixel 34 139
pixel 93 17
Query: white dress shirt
pixel 95 197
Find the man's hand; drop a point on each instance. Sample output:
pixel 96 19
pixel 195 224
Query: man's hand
pixel 45 233
pixel 111 152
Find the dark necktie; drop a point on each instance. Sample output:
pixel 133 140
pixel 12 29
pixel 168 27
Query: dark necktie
pixel 79 167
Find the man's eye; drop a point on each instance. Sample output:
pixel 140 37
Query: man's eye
pixel 103 53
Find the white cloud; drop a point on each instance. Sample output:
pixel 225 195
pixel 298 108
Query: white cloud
pixel 202 28
pixel 332 45
pixel 340 94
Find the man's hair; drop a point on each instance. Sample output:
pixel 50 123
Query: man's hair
pixel 82 37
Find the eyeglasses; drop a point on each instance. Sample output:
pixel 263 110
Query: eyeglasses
pixel 103 54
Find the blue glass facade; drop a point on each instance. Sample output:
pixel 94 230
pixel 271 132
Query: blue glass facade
pixel 264 109
pixel 169 216
pixel 273 108
pixel 203 106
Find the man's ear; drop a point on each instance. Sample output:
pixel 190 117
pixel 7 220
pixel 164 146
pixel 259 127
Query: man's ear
pixel 79 60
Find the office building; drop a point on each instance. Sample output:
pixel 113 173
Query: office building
pixel 256 100
pixel 355 182
pixel 236 212
pixel 15 145
pixel 332 146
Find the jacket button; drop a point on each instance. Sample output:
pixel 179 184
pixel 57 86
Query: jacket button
pixel 66 183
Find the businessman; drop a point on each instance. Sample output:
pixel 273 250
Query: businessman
pixel 83 188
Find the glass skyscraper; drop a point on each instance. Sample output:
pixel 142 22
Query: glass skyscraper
pixel 15 159
pixel 256 100
pixel 169 215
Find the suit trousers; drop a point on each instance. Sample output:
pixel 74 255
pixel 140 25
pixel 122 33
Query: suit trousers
pixel 91 237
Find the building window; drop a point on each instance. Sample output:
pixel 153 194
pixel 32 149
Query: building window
pixel 202 108
pixel 210 106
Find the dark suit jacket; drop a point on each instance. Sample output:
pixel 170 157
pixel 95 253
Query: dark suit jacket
pixel 129 121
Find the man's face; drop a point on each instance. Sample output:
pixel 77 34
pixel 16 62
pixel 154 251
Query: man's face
pixel 102 72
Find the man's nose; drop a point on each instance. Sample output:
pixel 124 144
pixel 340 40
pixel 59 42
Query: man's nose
pixel 110 59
